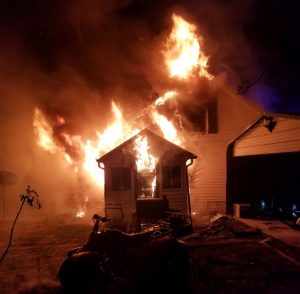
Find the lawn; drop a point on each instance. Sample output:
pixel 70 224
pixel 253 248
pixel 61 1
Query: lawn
pixel 39 247
pixel 221 261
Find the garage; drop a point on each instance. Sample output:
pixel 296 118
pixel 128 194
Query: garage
pixel 263 167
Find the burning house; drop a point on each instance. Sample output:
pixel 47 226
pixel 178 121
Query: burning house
pixel 175 71
pixel 146 175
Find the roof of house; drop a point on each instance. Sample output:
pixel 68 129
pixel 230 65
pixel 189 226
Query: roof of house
pixel 162 144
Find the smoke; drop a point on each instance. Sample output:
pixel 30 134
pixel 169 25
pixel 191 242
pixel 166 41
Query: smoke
pixel 70 58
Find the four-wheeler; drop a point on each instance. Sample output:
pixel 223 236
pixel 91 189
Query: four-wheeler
pixel 112 261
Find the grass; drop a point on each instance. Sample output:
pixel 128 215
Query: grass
pixel 221 263
pixel 39 247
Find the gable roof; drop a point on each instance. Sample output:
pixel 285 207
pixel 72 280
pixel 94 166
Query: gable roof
pixel 270 133
pixel 272 115
pixel 163 144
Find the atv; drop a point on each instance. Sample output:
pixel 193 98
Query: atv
pixel 112 261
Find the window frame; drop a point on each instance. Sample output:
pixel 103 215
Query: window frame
pixel 173 178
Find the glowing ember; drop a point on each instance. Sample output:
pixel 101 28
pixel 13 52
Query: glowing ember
pixel 169 131
pixel 144 160
pixel 80 213
pixel 183 56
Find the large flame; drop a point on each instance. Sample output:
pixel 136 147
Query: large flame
pixel 183 54
pixel 114 134
pixel 183 58
pixel 89 150
pixel 117 132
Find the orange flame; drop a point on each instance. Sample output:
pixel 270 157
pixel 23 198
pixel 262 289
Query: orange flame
pixel 44 132
pixel 111 137
pixel 153 186
pixel 182 55
pixel 167 128
pixel 167 96
pixel 81 213
pixel 183 59
pixel 116 133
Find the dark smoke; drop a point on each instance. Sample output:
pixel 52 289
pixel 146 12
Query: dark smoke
pixel 72 57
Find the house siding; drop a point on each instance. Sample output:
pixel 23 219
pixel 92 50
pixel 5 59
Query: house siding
pixel 122 197
pixel 208 173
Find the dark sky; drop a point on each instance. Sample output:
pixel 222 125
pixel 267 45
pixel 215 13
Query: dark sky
pixel 109 47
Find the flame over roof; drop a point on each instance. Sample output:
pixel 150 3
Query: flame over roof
pixel 163 144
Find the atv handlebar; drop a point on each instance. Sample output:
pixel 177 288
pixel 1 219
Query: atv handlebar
pixel 98 220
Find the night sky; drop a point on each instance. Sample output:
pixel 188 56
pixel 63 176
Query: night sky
pixel 108 47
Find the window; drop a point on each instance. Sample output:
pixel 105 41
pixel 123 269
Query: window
pixel 171 177
pixel 203 117
pixel 146 186
pixel 209 118
pixel 120 178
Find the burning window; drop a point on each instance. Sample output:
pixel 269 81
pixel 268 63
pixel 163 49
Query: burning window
pixel 146 185
pixel 146 169
pixel 120 178
pixel 171 177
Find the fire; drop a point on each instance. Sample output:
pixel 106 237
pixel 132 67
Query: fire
pixel 167 128
pixel 115 133
pixel 89 150
pixel 68 158
pixel 167 96
pixel 43 131
pixel 144 160
pixel 183 54
pixel 91 153
pixel 80 213
pixel 145 164
pixel 153 186
pixel 111 137
pixel 183 58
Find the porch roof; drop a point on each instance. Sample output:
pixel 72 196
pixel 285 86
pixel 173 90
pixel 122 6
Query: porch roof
pixel 161 142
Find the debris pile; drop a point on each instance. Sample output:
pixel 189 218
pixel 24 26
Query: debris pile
pixel 226 227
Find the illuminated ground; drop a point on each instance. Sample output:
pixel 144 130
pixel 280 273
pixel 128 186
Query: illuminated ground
pixel 221 262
